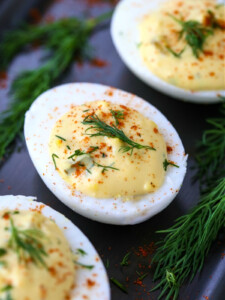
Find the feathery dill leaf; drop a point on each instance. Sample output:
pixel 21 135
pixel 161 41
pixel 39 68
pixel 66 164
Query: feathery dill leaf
pixel 167 163
pixel 124 261
pixel 64 39
pixel 119 285
pixel 195 34
pixel 105 168
pixel 176 54
pixel 104 129
pixel 211 150
pixel 182 252
pixel 117 114
pixel 27 244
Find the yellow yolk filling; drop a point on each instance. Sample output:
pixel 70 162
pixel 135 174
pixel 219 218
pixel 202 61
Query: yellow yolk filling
pixel 159 31
pixel 105 170
pixel 23 278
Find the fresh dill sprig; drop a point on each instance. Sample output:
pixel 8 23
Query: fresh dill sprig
pixel 210 20
pixel 104 129
pixel 119 285
pixel 91 149
pixel 54 156
pixel 27 244
pixel 107 264
pixel 105 168
pixel 63 39
pixel 79 152
pixel 167 163
pixel 81 252
pixel 141 276
pixel 89 267
pixel 61 138
pixel 124 261
pixel 117 115
pixel 195 34
pixel 176 54
pixel 6 288
pixel 2 252
pixel 211 150
pixel 182 252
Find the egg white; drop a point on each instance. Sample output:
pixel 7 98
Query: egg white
pixel 39 121
pixel 76 240
pixel 126 37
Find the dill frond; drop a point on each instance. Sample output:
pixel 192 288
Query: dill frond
pixel 27 244
pixel 104 129
pixel 182 252
pixel 64 39
pixel 194 33
pixel 211 150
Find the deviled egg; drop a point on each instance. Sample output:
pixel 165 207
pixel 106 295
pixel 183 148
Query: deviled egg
pixel 174 46
pixel 44 256
pixel 107 154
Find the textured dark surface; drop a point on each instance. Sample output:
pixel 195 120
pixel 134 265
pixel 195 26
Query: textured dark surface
pixel 18 176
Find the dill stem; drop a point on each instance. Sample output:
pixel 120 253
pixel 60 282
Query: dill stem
pixel 64 39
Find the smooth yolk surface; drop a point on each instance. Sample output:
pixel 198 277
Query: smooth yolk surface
pixel 159 31
pixel 104 170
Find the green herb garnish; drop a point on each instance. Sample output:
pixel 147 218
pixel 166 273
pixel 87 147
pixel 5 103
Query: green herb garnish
pixel 61 138
pixel 105 168
pixel 119 285
pixel 90 267
pixel 182 252
pixel 92 149
pixel 124 261
pixel 63 38
pixel 213 22
pixel 117 114
pixel 104 129
pixel 77 152
pixel 194 33
pixel 2 252
pixel 107 263
pixel 81 251
pixel 176 54
pixel 167 163
pixel 211 150
pixel 68 147
pixel 141 277
pixel 54 156
pixel 6 288
pixel 27 244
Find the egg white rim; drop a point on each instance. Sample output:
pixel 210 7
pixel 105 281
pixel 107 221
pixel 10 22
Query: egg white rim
pixel 125 36
pixel 77 240
pixel 51 105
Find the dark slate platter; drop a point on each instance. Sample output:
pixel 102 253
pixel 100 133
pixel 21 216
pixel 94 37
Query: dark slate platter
pixel 18 176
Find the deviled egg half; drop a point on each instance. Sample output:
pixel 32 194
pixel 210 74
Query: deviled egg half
pixel 45 256
pixel 107 154
pixel 175 46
